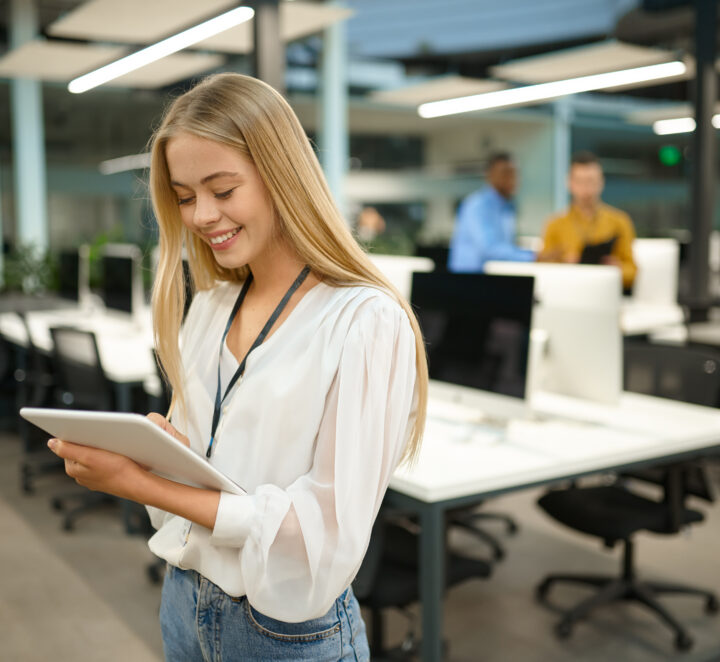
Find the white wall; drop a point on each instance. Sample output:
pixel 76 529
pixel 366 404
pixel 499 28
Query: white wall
pixel 529 140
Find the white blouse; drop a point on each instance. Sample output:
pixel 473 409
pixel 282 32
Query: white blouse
pixel 313 432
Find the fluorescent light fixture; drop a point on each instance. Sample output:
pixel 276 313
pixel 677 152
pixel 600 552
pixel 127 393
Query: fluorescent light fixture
pixel 680 125
pixel 124 163
pixel 162 49
pixel 552 90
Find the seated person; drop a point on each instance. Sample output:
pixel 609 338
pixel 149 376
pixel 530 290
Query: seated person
pixel 589 221
pixel 485 223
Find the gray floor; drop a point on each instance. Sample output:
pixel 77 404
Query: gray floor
pixel 84 596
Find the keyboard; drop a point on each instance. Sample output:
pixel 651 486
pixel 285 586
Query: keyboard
pixel 462 432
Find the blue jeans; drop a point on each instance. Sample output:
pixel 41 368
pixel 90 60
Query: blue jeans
pixel 202 623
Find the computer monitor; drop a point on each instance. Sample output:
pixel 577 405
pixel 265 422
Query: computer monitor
pixel 436 252
pixel 477 335
pixel 74 275
pixel 69 275
pixel 122 288
pixel 578 307
pixel 398 269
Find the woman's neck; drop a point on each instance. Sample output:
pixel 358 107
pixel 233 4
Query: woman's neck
pixel 275 271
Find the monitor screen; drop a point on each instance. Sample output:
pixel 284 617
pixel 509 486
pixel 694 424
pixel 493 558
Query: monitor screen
pixel 69 275
pixel 117 281
pixel 578 308
pixel 476 329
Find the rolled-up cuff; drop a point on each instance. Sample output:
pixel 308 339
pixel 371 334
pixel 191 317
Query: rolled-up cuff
pixel 235 515
pixel 157 516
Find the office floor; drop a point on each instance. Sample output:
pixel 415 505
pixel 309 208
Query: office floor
pixel 84 596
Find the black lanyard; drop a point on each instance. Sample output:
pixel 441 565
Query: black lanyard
pixel 258 341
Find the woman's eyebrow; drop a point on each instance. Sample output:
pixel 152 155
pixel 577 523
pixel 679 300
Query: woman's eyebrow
pixel 205 180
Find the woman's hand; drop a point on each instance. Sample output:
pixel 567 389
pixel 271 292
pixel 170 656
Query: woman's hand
pixel 99 469
pixel 164 424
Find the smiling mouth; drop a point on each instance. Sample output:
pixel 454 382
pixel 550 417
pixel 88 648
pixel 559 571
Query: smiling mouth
pixel 224 237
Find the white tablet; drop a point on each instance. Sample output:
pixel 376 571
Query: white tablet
pixel 136 437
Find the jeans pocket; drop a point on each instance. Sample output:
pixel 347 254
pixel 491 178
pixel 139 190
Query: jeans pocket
pixel 315 629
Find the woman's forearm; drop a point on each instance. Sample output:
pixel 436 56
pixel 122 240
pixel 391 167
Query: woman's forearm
pixel 193 503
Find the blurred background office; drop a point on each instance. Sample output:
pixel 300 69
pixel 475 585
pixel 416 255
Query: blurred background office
pixel 411 106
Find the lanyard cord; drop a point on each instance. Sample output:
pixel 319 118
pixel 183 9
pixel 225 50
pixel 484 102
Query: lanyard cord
pixel 258 341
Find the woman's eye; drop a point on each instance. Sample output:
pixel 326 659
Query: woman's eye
pixel 184 201
pixel 224 194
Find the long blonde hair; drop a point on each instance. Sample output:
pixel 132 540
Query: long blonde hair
pixel 251 117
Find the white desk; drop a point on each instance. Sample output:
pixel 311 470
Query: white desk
pixel 591 438
pixel 125 344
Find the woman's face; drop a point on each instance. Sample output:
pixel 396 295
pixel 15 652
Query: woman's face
pixel 222 199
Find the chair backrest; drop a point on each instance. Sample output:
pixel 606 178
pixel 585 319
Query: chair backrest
pixel 79 371
pixel 679 373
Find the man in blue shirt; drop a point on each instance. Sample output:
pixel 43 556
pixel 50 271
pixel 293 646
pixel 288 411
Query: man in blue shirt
pixel 485 223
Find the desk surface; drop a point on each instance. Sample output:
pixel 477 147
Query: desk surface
pixel 572 438
pixel 125 343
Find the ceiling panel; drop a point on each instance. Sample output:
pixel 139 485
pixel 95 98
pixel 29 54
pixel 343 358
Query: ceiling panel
pixel 56 61
pixel 447 87
pixel 583 61
pixel 297 20
pixel 113 21
pixel 135 21
pixel 170 69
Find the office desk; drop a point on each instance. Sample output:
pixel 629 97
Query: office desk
pixel 640 318
pixel 588 438
pixel 125 343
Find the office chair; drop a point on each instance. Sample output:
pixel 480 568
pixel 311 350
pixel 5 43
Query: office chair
pixel 688 374
pixel 468 519
pixel 35 384
pixel 389 577
pixel 81 384
pixel 616 512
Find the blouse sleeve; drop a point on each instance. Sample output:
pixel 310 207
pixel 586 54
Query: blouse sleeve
pixel 300 547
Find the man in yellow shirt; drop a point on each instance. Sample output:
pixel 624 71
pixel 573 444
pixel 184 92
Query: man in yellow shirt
pixel 589 221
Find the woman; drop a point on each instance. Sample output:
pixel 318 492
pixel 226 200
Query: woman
pixel 301 376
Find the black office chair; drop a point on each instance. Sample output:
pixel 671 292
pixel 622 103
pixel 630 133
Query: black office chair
pixel 35 385
pixel 688 374
pixel 468 520
pixel 389 577
pixel 81 384
pixel 615 513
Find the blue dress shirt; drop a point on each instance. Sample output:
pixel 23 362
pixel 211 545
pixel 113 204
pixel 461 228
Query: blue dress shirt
pixel 484 230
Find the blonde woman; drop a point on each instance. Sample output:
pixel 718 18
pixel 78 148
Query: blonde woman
pixel 301 375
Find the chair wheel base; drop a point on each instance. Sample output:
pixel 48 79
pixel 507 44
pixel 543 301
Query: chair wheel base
pixel 563 630
pixel 153 573
pixel 683 642
pixel 541 591
pixel 711 606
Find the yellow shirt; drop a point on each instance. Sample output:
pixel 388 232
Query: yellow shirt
pixel 571 231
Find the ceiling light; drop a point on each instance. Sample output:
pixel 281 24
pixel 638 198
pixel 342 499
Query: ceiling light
pixel 680 125
pixel 162 49
pixel 124 163
pixel 553 90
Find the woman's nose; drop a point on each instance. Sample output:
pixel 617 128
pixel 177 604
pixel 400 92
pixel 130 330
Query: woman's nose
pixel 206 211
